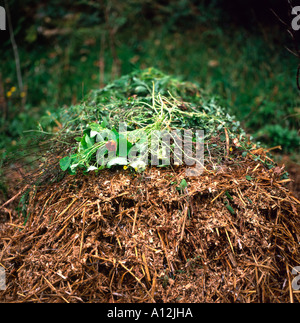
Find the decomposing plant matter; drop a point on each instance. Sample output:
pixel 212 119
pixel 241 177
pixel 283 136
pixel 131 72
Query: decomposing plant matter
pixel 137 238
pixel 231 234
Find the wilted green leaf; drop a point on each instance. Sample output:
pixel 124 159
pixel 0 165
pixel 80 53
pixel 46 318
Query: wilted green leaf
pixel 183 184
pixel 65 163
pixel 117 161
pixel 88 141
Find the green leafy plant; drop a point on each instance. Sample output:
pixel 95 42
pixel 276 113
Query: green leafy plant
pixel 182 186
pixel 145 113
pixel 93 141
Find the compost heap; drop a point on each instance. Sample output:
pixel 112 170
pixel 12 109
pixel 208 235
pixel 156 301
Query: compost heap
pixel 116 234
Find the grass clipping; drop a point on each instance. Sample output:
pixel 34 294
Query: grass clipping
pixel 229 235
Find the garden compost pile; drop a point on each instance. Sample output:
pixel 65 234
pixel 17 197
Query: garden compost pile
pixel 231 234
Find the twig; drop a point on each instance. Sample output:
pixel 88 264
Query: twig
pixel 138 280
pixel 183 223
pixel 135 215
pixel 102 62
pixel 229 241
pixel 298 77
pixel 82 233
pixel 292 33
pixel 15 47
pixel 116 66
pixel 290 285
pixel 14 197
pixel 3 103
pixel 227 142
pixel 217 196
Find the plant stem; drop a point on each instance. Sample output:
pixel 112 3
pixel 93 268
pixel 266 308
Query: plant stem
pixel 15 47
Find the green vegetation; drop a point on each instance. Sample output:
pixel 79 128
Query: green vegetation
pixel 67 50
pixel 146 101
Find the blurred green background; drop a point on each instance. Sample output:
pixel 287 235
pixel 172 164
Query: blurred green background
pixel 235 50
